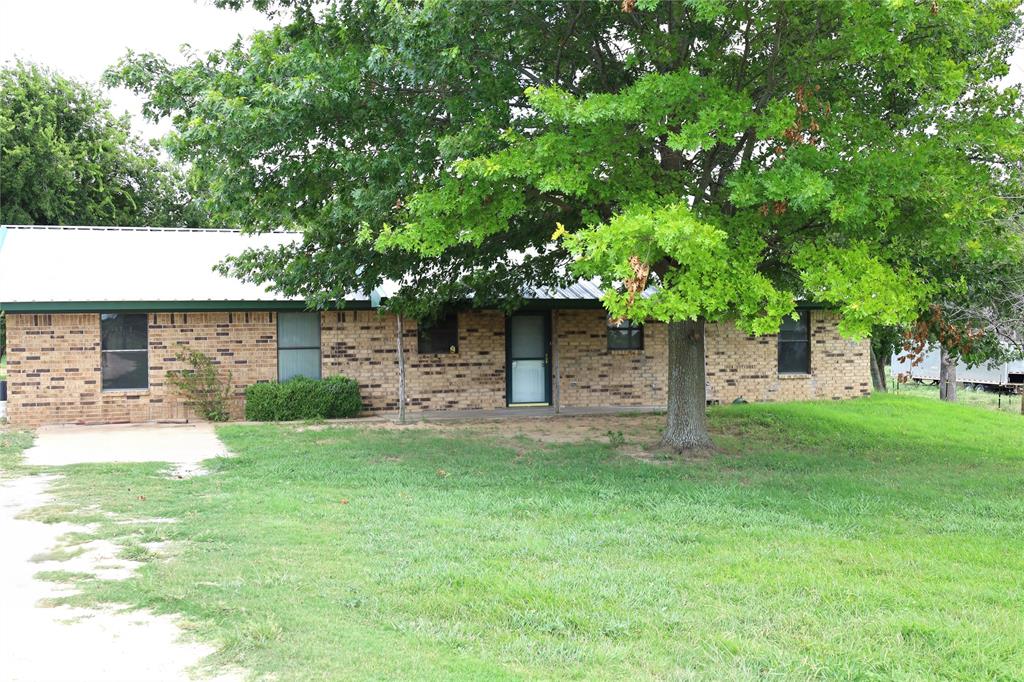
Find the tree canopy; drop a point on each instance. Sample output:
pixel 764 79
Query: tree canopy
pixel 66 159
pixel 738 155
pixel 332 121
pixel 979 315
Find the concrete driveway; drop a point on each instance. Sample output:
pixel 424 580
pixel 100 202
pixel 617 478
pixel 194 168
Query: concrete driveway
pixel 182 444
pixel 40 642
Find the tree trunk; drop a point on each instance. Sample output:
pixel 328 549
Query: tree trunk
pixel 947 377
pixel 877 375
pixel 687 427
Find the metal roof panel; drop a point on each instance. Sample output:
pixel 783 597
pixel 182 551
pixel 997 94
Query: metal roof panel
pixel 40 264
pixel 83 264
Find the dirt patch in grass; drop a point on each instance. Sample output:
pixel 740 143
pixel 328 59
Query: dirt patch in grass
pixel 182 471
pixel 636 429
pixel 634 435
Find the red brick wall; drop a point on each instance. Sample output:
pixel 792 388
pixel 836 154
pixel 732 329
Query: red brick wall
pixel 54 364
pixel 53 369
pixel 243 344
pixel 363 345
pixel 746 367
pixel 590 375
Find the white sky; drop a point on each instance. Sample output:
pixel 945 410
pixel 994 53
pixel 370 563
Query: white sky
pixel 1016 74
pixel 81 38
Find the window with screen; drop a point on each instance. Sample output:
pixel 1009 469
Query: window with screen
pixel 124 351
pixel 625 335
pixel 795 344
pixel 298 345
pixel 441 336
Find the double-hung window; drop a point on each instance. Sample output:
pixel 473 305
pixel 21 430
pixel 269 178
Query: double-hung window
pixel 440 337
pixel 298 345
pixel 625 335
pixel 795 344
pixel 124 351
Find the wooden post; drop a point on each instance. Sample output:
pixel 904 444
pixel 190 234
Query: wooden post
pixel 557 387
pixel 401 371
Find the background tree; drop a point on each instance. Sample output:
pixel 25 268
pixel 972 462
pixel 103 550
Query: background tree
pixel 979 314
pixel 989 299
pixel 65 159
pixel 738 155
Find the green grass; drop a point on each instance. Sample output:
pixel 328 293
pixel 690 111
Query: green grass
pixel 874 539
pixel 12 443
pixel 964 396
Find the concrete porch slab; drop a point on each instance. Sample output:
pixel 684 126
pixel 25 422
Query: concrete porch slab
pixel 176 443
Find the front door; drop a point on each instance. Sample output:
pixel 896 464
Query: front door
pixel 528 353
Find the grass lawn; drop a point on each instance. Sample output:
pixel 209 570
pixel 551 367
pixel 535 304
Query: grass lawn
pixel 965 396
pixel 874 539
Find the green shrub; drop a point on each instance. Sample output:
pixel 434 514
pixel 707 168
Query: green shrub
pixel 302 398
pixel 345 400
pixel 262 402
pixel 202 385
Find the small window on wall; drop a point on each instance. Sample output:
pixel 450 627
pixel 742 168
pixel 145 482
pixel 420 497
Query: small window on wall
pixel 625 335
pixel 124 351
pixel 441 336
pixel 795 344
pixel 298 345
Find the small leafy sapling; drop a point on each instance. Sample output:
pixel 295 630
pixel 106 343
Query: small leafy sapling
pixel 201 385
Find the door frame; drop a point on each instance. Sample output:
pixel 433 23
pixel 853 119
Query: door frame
pixel 546 316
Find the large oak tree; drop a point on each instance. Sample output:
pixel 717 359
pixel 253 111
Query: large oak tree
pixel 729 157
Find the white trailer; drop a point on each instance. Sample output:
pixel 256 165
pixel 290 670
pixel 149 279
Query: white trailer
pixel 1004 375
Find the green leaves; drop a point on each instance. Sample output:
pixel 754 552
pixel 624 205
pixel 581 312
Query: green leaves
pixel 749 155
pixel 67 160
pixel 803 189
pixel 704 273
pixel 745 184
pixel 867 289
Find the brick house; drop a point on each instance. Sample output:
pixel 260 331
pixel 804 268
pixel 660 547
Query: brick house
pixel 95 317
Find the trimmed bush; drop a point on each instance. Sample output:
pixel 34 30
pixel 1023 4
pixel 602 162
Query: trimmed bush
pixel 302 398
pixel 262 402
pixel 345 400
